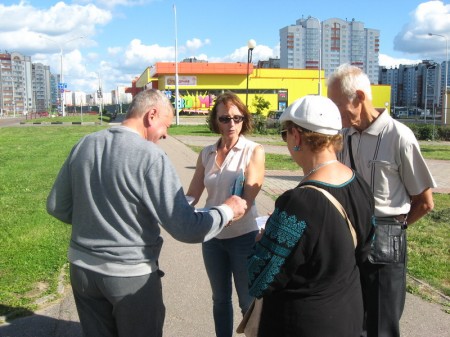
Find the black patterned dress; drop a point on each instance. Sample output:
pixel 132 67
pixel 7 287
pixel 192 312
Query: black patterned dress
pixel 305 265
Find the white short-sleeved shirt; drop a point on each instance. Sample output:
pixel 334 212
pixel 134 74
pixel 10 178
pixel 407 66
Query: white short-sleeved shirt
pixel 219 182
pixel 388 156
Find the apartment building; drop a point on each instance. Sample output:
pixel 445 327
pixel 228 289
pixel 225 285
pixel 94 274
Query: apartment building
pixel 41 89
pixel 390 76
pixel 311 43
pixel 15 84
pixel 442 85
pixel 414 86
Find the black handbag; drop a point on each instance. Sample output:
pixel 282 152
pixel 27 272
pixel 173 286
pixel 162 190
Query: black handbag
pixel 389 241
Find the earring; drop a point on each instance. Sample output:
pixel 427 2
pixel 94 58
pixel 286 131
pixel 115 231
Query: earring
pixel 296 148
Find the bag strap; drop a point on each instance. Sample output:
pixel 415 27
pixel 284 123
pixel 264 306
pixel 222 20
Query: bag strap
pixel 350 152
pixel 339 207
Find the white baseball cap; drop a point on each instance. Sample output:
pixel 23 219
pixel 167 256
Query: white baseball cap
pixel 314 113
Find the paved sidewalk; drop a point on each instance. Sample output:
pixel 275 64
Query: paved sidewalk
pixel 187 293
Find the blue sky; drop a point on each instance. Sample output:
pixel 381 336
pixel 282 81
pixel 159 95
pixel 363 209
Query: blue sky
pixel 122 37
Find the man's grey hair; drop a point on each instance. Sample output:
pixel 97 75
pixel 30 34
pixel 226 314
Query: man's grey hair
pixel 350 78
pixel 147 99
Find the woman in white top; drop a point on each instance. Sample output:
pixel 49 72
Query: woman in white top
pixel 233 165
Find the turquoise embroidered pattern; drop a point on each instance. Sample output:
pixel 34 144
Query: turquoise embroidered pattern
pixel 283 231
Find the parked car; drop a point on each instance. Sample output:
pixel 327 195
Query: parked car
pixel 401 114
pixel 273 118
pixel 422 114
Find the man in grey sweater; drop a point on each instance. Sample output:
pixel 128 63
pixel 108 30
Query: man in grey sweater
pixel 115 188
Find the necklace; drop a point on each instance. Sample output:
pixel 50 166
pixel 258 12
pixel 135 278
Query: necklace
pixel 314 169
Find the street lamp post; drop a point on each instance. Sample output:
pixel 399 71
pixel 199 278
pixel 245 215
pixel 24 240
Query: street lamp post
pixel 177 116
pixel 100 97
pixel 444 113
pixel 320 58
pixel 426 95
pixel 61 76
pixel 251 44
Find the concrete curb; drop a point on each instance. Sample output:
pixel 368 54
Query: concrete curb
pixel 62 123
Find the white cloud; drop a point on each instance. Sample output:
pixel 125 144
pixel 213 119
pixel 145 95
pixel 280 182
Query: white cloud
pixel 202 57
pixel 195 43
pixel 73 62
pixel 431 16
pixel 21 26
pixel 140 56
pixel 261 52
pixel 114 50
pixel 116 3
pixel 391 62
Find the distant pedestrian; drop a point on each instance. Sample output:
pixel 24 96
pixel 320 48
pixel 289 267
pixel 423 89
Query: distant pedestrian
pixel 115 189
pixel 386 153
pixel 233 165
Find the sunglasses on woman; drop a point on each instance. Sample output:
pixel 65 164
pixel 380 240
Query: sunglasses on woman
pixel 227 119
pixel 284 132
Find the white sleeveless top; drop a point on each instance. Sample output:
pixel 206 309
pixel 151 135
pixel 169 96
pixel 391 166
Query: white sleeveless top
pixel 220 180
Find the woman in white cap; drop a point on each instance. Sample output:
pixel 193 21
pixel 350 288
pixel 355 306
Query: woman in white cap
pixel 305 265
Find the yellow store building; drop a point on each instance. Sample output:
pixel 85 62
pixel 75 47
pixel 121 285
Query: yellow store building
pixel 199 84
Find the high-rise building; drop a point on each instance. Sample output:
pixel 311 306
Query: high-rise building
pixel 25 87
pixel 428 74
pixel 413 86
pixel 41 90
pixel 310 43
pixel 54 94
pixel 15 84
pixel 443 87
pixel 390 76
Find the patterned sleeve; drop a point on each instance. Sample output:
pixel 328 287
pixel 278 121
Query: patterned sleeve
pixel 283 232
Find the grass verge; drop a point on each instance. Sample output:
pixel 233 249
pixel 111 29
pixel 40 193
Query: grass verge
pixel 440 152
pixel 70 119
pixel 33 245
pixel 428 254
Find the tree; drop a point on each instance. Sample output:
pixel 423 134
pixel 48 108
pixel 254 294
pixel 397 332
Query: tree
pixel 259 119
pixel 260 104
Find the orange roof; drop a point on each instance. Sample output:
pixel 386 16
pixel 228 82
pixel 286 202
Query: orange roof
pixel 200 68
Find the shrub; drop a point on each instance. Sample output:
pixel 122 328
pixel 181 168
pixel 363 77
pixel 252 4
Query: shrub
pixel 259 123
pixel 430 131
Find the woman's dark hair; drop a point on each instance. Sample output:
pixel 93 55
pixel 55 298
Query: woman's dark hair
pixel 229 98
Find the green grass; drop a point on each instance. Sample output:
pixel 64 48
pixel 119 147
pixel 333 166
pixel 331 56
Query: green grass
pixel 429 242
pixel 280 162
pixel 193 130
pixel 441 152
pixel 70 119
pixel 33 245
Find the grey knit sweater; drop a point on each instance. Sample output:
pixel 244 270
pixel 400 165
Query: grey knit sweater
pixel 115 188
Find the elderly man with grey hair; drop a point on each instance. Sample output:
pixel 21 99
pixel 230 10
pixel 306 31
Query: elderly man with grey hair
pixel 115 189
pixel 386 153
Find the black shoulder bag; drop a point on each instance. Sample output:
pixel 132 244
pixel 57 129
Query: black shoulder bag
pixel 389 240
